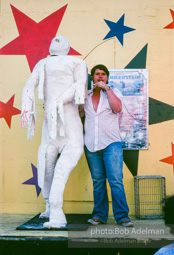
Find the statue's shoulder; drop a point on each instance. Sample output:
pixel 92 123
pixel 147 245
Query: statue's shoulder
pixel 76 60
pixel 40 63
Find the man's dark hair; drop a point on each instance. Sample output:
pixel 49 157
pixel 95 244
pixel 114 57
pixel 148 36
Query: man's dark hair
pixel 101 67
pixel 169 212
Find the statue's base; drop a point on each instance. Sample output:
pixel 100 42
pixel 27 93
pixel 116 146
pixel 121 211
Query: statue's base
pixel 75 222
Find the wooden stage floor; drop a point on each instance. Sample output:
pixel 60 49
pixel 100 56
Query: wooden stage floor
pixel 146 237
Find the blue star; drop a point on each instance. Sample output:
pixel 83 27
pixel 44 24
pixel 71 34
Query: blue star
pixel 117 29
pixel 34 180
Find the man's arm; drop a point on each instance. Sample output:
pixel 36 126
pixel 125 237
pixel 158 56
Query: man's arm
pixel 81 110
pixel 114 101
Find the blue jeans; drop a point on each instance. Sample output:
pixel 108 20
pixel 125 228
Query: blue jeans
pixel 108 163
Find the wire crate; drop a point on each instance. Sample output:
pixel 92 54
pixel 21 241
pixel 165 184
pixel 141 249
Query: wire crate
pixel 150 192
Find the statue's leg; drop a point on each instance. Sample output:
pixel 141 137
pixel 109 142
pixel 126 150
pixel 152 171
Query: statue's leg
pixel 68 159
pixel 51 158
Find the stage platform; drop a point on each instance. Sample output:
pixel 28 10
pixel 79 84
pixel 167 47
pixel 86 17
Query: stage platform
pixel 146 237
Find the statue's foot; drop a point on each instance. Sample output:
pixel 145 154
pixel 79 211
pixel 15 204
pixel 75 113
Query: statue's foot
pixel 54 224
pixel 44 215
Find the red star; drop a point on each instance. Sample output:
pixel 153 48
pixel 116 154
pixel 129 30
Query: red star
pixel 171 25
pixel 34 38
pixel 170 160
pixel 7 110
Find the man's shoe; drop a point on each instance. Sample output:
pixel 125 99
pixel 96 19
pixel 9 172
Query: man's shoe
pixel 127 223
pixel 94 221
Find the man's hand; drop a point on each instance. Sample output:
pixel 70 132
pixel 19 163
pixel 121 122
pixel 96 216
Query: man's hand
pixel 101 85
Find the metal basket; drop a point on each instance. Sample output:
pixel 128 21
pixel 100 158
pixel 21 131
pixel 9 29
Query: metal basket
pixel 150 192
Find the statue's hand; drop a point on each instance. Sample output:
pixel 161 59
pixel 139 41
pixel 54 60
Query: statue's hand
pixel 25 117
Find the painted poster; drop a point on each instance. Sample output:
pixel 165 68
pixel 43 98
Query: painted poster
pixel 133 84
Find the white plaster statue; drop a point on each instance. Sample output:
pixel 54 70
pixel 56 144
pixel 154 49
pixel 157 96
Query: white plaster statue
pixel 62 83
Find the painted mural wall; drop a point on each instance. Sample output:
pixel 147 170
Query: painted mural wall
pixel 120 34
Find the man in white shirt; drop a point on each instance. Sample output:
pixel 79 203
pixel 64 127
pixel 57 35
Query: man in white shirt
pixel 103 148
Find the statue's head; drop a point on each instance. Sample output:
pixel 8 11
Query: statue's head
pixel 59 46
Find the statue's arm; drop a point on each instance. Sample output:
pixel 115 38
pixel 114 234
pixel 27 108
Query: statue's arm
pixel 78 89
pixel 81 82
pixel 28 116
